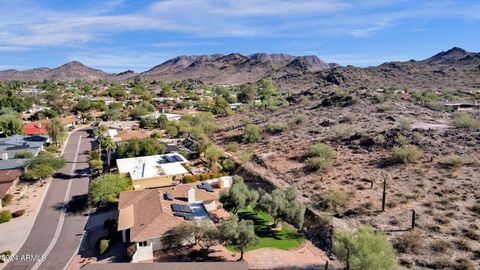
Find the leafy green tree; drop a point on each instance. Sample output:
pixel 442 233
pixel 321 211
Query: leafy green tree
pixel 213 154
pixel 364 249
pixel 162 121
pixel 238 233
pixel 140 147
pixel 172 130
pixel 221 107
pixel 266 90
pixel 11 125
pixel 42 166
pixel 238 196
pixel 283 205
pixel 148 123
pixel 56 130
pixel 167 91
pixel 107 188
pixel 252 133
pixel 247 94
pixel 96 166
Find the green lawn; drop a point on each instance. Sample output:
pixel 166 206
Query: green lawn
pixel 285 239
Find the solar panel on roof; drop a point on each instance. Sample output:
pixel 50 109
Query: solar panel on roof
pixel 167 196
pixel 208 187
pixel 200 186
pixel 170 159
pixel 178 158
pixel 181 208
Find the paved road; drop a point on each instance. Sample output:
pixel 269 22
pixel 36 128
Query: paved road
pixel 58 229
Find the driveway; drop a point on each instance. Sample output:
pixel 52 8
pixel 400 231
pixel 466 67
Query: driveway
pixel 58 229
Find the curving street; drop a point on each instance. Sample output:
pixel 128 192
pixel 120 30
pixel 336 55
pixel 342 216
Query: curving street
pixel 59 226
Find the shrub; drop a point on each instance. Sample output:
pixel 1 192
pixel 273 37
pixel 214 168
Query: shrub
pixel 103 246
pixel 232 147
pixel 5 216
pixel 18 213
pixel 406 154
pixel 454 161
pixel 343 131
pixel 381 139
pixel 440 246
pixel 409 242
pixel 405 124
pixel 402 140
pixel 201 177
pixel 24 154
pixel 463 120
pixel 364 248
pixel 246 156
pixel 321 157
pixel 252 133
pixel 298 119
pixel 228 165
pixel 131 250
pixel 276 128
pixel 333 199
pixel 348 118
pixel 7 199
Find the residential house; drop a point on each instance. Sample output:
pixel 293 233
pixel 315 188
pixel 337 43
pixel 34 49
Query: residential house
pixel 153 171
pixel 170 116
pixel 235 106
pixel 114 127
pixel 35 128
pixel 10 146
pixel 8 181
pixel 69 121
pixel 147 216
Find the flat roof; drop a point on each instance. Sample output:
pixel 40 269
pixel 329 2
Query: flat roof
pixel 152 166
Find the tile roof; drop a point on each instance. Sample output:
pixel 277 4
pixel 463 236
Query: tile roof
pixel 168 266
pixel 68 120
pixel 152 216
pixel 35 128
pixel 7 177
pixel 132 134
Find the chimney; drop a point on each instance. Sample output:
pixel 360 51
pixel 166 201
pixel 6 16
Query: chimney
pixel 5 157
pixel 191 195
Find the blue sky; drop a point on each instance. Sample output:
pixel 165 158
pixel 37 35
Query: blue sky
pixel 116 35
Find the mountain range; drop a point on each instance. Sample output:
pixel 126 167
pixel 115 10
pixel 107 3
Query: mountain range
pixel 448 69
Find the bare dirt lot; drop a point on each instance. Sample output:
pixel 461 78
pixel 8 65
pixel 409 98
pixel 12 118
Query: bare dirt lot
pixel 446 199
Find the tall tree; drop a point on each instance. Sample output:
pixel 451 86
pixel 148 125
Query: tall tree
pixel 108 144
pixel 283 205
pixel 238 196
pixel 11 125
pixel 238 233
pixel 364 249
pixel 42 166
pixel 56 130
pixel 107 188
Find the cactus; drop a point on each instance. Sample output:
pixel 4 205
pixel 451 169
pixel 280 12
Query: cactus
pixel 384 197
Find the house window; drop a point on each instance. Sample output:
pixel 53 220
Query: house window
pixel 143 244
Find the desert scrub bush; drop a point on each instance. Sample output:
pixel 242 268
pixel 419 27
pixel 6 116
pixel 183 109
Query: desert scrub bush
pixel 440 246
pixel 406 154
pixel 463 120
pixel 103 246
pixel 5 216
pixel 321 157
pixel 405 124
pixel 465 264
pixel 454 161
pixel 333 199
pixel 228 165
pixel 276 128
pixel 7 199
pixel 232 147
pixel 416 136
pixel 381 140
pixel 343 131
pixel 297 119
pixel 246 156
pixel 402 140
pixel 252 133
pixel 409 242
pixel 348 118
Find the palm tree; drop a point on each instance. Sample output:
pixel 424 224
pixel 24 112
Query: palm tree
pixel 100 132
pixel 108 144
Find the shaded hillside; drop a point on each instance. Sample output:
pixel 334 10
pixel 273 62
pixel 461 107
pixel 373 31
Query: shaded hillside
pixel 234 68
pixel 69 72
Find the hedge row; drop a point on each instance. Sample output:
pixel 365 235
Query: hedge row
pixel 201 177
